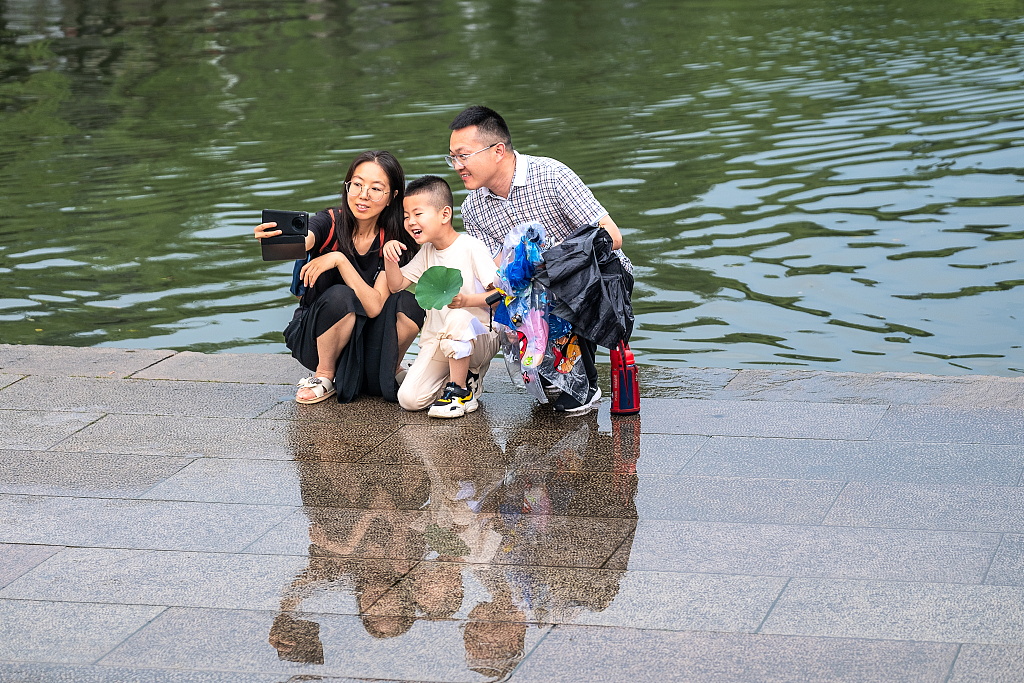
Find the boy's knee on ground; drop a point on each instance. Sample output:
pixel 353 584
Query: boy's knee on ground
pixel 410 400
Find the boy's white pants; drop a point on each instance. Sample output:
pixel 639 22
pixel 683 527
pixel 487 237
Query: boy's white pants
pixel 429 373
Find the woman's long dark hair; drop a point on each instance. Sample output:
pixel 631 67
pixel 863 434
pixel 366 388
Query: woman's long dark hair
pixel 391 219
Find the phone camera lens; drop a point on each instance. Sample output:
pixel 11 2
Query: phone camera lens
pixel 298 223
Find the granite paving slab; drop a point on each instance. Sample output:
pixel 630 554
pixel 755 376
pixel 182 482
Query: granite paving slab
pixel 579 446
pixel 1008 565
pixel 937 612
pixel 66 632
pixel 886 388
pixel 907 506
pixel 988 664
pixel 227 437
pixel 36 429
pixel 145 577
pixel 144 524
pixel 225 480
pixel 875 461
pixel 760 418
pixel 63 361
pixel 720 499
pixel 873 521
pixel 660 382
pixel 245 368
pixel 83 474
pixel 371 409
pixel 581 654
pixel 61 673
pixel 15 559
pixel 949 425
pixel 567 541
pixel 139 396
pixel 368 648
pixel 640 600
pixel 812 551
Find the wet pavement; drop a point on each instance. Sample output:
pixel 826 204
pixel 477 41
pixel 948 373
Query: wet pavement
pixel 177 517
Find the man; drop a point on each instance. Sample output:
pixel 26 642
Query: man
pixel 508 188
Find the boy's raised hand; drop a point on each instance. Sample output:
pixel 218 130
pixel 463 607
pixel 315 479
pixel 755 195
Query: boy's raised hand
pixel 393 250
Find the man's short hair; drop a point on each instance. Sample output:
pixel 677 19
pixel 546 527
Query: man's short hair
pixel 437 187
pixel 487 121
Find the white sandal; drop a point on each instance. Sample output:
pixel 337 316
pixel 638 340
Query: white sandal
pixel 322 388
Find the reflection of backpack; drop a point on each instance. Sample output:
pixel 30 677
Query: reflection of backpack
pixel 330 244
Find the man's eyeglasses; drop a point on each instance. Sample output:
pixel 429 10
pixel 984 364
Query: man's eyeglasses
pixel 451 158
pixel 355 189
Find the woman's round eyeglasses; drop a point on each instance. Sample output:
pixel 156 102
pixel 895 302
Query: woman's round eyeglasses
pixel 355 189
pixel 450 158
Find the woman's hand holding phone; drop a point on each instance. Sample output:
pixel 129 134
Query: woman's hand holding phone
pixel 266 230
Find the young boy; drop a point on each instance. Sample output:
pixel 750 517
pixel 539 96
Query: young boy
pixel 456 345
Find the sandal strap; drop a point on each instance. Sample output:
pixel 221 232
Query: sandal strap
pixel 319 385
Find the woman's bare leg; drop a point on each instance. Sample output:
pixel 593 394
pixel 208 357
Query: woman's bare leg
pixel 329 346
pixel 407 332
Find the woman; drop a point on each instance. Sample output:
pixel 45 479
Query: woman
pixel 349 329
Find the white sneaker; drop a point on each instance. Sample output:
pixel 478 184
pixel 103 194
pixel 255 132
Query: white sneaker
pixel 454 402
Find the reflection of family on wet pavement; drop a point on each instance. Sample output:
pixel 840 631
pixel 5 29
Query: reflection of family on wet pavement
pixel 409 528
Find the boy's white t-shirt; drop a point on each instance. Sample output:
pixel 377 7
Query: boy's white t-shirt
pixel 467 255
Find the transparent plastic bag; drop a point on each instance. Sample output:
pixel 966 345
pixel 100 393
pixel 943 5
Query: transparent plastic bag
pixel 524 339
pixel 513 342
pixel 563 367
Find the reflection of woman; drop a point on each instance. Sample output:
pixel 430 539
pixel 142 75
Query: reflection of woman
pixel 360 541
pixel 349 329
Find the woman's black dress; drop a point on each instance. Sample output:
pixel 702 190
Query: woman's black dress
pixel 368 362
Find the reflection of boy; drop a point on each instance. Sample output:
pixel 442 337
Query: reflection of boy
pixel 455 345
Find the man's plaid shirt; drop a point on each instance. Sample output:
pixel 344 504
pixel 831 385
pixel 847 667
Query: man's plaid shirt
pixel 543 190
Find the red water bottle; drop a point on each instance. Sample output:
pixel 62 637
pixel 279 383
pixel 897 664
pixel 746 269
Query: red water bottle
pixel 625 381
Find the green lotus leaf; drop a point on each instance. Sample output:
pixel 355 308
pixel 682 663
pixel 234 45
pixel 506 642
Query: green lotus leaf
pixel 438 286
pixel 445 541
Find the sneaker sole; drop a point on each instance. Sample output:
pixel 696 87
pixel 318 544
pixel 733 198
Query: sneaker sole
pixel 585 408
pixel 468 408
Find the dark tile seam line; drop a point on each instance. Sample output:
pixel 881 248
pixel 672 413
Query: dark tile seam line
pixel 74 433
pixel 23 377
pixel 992 561
pixel 292 507
pixel 874 429
pixel 952 664
pixel 691 458
pixel 532 650
pixel 835 500
pixel 271 529
pixel 365 610
pixel 1020 480
pixel 156 362
pixel 38 564
pixel 131 635
pixel 630 537
pixel 105 410
pixel 772 607
pixel 165 479
pixel 376 447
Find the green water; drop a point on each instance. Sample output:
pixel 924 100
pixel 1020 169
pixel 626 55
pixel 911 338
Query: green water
pixel 799 183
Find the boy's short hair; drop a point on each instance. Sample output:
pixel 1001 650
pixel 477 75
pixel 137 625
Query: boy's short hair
pixel 437 187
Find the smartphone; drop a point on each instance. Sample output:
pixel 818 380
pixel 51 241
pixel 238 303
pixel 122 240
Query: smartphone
pixel 291 243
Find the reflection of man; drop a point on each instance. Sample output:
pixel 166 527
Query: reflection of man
pixel 509 188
